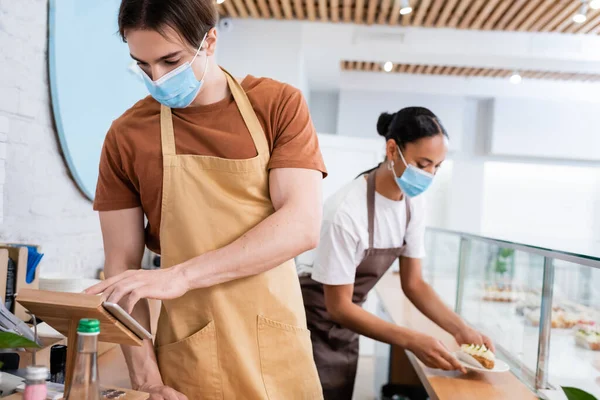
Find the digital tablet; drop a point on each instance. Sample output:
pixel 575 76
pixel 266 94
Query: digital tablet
pixel 116 311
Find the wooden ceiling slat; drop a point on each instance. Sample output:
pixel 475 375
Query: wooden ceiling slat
pixel 322 10
pixel 421 12
pixel 564 26
pixel 264 9
pixel 565 14
pixel 230 9
pixel 275 10
pixel 459 71
pixel 594 30
pixel 428 69
pixel 446 12
pixel 358 11
pixel 484 13
pixel 311 10
pixel 437 70
pixel 411 68
pixel 347 11
pixel 374 66
pixel 241 8
pixel 498 12
pixel 395 13
pixel 482 72
pixel 384 10
pixel 458 13
pixel 299 10
pixel 548 15
pixel 522 15
pixel 250 5
pixel 287 9
pixel 475 7
pixel 434 13
pixel 536 15
pixel 371 11
pixel 419 69
pixel 510 14
pixel 334 9
pixel 593 20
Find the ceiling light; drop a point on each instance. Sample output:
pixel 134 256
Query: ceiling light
pixel 406 8
pixel 595 4
pixel 220 1
pixel 516 78
pixel 388 66
pixel 581 16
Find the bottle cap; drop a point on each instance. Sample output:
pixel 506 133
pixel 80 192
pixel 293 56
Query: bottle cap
pixel 88 326
pixel 36 373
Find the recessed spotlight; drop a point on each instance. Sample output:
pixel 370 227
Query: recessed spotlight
pixel 406 8
pixel 516 78
pixel 220 1
pixel 595 4
pixel 388 66
pixel 581 16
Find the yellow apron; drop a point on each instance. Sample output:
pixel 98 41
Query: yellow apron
pixel 244 339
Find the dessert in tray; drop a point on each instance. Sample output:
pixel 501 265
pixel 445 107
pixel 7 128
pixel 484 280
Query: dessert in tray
pixel 501 293
pixel 477 355
pixel 588 336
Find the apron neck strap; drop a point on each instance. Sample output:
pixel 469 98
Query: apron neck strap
pixel 371 208
pixel 167 136
pixel 248 115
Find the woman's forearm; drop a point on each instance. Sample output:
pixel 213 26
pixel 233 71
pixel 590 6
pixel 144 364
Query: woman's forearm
pixel 357 319
pixel 433 307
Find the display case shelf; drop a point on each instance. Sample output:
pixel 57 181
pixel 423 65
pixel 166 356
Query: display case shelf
pixel 530 296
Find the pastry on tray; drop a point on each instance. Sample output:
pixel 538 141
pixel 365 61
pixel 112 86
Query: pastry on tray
pixel 588 337
pixel 477 355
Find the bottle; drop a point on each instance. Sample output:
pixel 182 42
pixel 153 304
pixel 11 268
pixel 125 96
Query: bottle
pixel 85 384
pixel 58 360
pixel 35 383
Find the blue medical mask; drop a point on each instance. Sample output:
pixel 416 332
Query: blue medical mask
pixel 179 87
pixel 413 181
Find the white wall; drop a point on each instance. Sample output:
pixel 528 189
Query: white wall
pixel 324 110
pixel 359 111
pixel 268 49
pixel 39 201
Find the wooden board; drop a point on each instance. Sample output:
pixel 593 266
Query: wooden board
pixel 441 384
pixel 59 309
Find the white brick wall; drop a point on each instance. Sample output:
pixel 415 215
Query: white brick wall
pixel 39 203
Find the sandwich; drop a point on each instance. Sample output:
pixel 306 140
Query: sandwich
pixel 477 355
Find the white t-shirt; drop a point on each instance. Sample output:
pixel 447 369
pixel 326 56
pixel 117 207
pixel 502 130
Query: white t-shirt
pixel 345 233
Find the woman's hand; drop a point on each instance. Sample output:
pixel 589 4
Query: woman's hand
pixel 433 353
pixel 130 286
pixel 468 335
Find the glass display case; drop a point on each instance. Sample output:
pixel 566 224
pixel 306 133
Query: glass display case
pixel 539 303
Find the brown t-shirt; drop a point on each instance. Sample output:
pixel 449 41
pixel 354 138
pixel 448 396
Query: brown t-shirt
pixel 131 171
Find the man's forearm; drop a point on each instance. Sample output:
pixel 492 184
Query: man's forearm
pixel 431 305
pixel 141 361
pixel 278 238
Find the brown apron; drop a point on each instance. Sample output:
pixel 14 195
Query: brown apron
pixel 335 348
pixel 243 339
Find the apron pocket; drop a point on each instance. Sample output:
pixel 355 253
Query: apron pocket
pixel 191 366
pixel 288 368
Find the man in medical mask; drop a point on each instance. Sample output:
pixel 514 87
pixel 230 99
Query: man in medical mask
pixel 228 174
